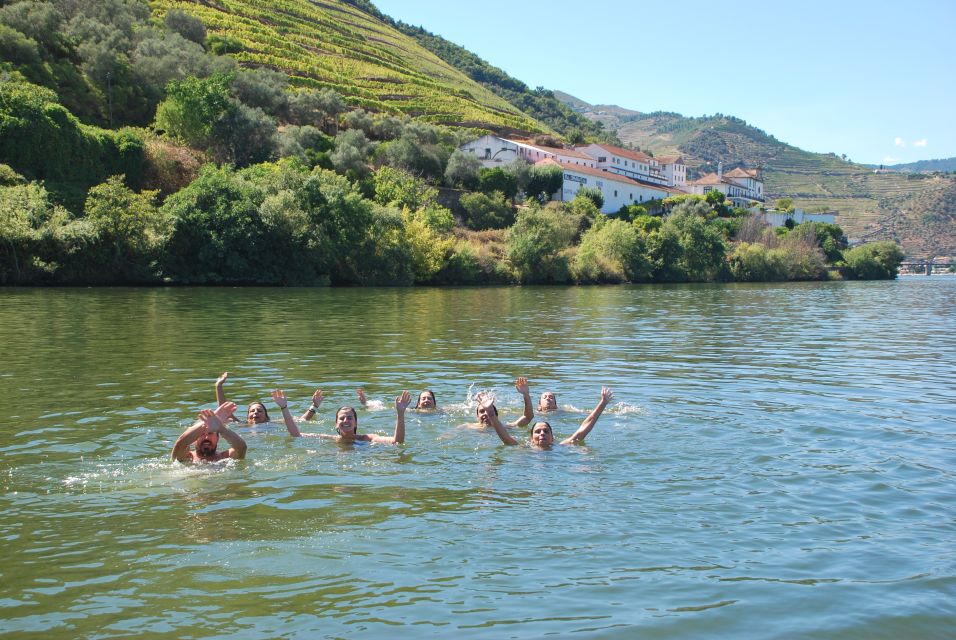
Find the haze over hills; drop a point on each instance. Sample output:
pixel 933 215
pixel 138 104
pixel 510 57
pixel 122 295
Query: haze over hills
pixel 915 209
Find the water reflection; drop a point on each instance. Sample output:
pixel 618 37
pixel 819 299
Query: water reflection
pixel 771 445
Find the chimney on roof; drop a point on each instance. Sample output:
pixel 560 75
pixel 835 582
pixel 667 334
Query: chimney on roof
pixel 720 170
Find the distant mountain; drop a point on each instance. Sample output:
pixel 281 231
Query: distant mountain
pixel 915 209
pixel 947 165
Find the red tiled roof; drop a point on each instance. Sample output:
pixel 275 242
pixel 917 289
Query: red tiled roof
pixel 571 153
pixel 742 173
pixel 624 153
pixel 607 175
pixel 670 159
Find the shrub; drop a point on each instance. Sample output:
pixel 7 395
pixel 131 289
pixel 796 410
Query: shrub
pixel 536 245
pixel 593 194
pixel 611 251
pixel 484 212
pixel 398 188
pixel 462 170
pixel 544 181
pixel 874 261
pixel 756 263
pixel 498 180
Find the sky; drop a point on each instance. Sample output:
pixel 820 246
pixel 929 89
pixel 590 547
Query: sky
pixel 873 80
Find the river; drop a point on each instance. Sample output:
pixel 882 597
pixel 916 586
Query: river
pixel 779 461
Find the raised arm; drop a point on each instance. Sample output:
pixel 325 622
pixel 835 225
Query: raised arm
pixel 361 397
pixel 316 403
pixel 278 396
pixel 487 401
pixel 521 385
pixel 220 394
pixel 216 422
pixel 606 396
pixel 401 404
pixel 181 450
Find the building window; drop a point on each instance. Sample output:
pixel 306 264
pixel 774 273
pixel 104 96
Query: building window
pixel 615 193
pixel 602 159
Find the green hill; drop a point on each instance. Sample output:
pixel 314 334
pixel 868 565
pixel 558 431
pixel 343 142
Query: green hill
pixel 333 44
pixel 916 210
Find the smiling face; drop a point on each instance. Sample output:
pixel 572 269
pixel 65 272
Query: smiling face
pixel 541 434
pixel 346 422
pixel 426 400
pixel 548 402
pixel 257 413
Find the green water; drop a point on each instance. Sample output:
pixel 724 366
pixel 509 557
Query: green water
pixel 779 462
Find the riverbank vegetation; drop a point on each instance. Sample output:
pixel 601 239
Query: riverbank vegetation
pixel 135 150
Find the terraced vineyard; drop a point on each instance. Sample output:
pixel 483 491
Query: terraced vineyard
pixel 333 44
pixel 916 210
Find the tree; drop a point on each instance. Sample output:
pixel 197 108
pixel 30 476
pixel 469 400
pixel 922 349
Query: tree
pixel 400 189
pixel 352 149
pixel 486 212
pixel 593 194
pixel 192 107
pixel 544 181
pixel 189 27
pixel 785 205
pixel 534 247
pixel 498 180
pixel 611 251
pixel 462 170
pixel 874 261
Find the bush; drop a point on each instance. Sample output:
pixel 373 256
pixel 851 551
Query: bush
pixel 536 247
pixel 874 261
pixel 398 188
pixel 611 251
pixel 42 141
pixel 462 170
pixel 189 27
pixel 593 194
pixel 757 263
pixel 484 212
pixel 544 181
pixel 498 180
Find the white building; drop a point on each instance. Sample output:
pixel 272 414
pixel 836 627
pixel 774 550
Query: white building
pixel 674 170
pixel 617 190
pixel 799 216
pixel 494 151
pixel 625 162
pixel 740 186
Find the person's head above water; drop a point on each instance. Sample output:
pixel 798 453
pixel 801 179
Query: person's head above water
pixel 346 421
pixel 541 434
pixel 206 445
pixel 257 413
pixel 548 401
pixel 482 413
pixel 426 400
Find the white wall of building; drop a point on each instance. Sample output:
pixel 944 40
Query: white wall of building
pixel 492 150
pixel 616 192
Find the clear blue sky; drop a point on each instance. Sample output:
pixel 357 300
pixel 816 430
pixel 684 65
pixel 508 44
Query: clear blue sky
pixel 874 80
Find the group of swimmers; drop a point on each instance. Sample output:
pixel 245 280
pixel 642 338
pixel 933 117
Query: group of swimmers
pixel 212 425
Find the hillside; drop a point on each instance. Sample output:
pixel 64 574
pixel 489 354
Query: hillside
pixel 941 164
pixel 332 44
pixel 916 210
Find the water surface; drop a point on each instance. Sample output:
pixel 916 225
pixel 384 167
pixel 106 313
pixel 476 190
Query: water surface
pixel 779 462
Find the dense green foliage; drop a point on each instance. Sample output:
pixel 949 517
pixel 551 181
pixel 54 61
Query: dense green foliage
pixel 256 176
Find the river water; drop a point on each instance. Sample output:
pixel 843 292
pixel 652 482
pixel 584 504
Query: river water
pixel 779 461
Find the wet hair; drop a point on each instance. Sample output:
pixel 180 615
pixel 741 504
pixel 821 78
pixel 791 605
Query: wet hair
pixel 429 392
pixel 545 423
pixel 264 410
pixel 354 415
pixel 492 406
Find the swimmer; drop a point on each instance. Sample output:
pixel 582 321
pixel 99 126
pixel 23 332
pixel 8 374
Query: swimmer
pixel 426 400
pixel 541 433
pixel 205 432
pixel 257 413
pixel 484 411
pixel 346 425
pixel 548 402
